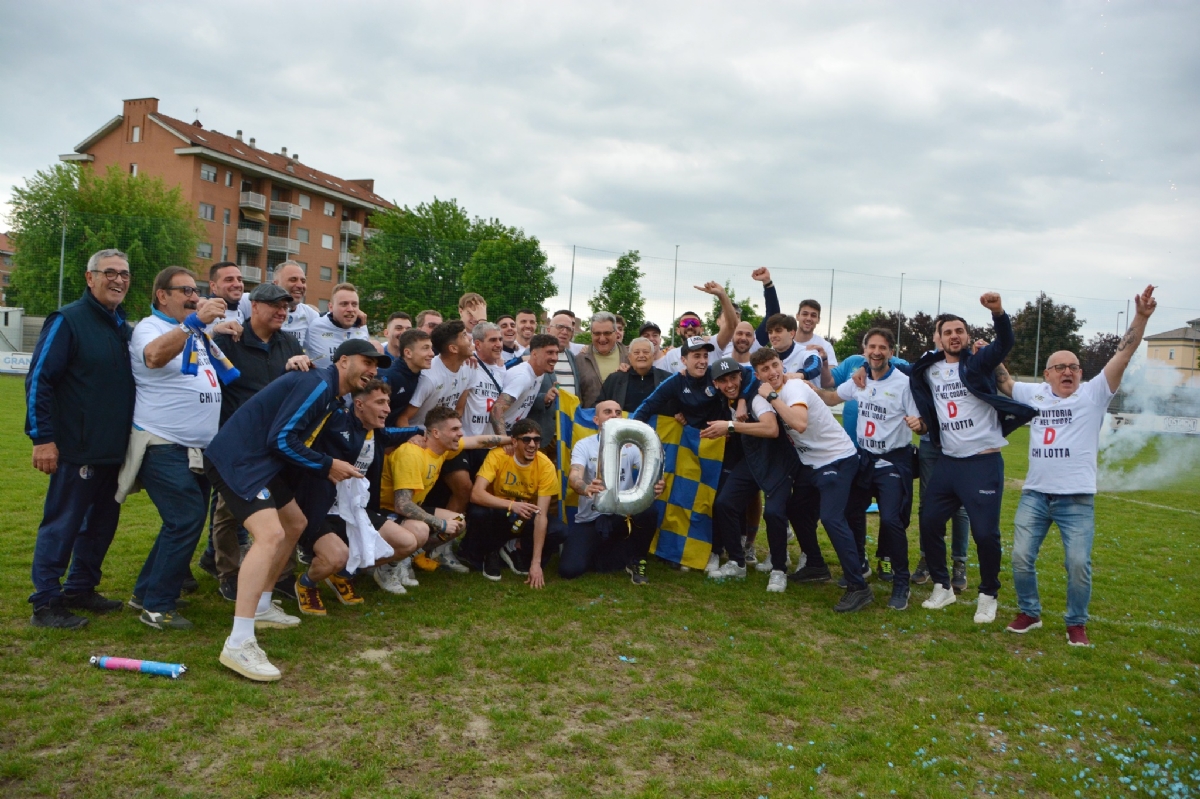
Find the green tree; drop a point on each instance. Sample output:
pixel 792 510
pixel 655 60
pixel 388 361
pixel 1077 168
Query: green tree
pixel 139 215
pixel 1059 331
pixel 620 292
pixel 429 256
pixel 747 310
pixel 916 338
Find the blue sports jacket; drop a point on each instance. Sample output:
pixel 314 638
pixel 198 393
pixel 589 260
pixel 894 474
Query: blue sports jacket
pixel 272 430
pixel 695 397
pixel 978 375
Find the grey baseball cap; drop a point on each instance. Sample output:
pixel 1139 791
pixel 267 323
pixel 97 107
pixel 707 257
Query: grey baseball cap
pixel 724 366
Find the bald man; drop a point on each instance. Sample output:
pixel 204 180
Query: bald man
pixel 290 277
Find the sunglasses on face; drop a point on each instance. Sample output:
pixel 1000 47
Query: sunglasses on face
pixel 689 323
pixel 530 440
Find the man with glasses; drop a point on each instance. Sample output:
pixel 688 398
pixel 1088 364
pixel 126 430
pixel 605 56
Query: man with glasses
pixel 79 406
pixel 602 358
pixel 1060 486
pixel 566 375
pixel 428 321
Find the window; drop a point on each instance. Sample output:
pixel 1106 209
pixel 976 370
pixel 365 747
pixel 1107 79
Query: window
pixel 228 178
pixel 1171 354
pixel 137 134
pixel 305 202
pixel 226 216
pixel 133 170
pixel 208 172
pixel 327 241
pixel 208 212
pixel 204 250
pixel 302 234
pixel 326 273
pixel 303 266
pixel 329 209
pixel 323 306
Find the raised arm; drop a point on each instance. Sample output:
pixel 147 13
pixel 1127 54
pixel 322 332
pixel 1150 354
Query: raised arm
pixel 770 301
pixel 729 317
pixel 1114 370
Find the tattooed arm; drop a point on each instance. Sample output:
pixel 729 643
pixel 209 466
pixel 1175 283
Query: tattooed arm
pixel 1115 369
pixel 484 442
pixel 1004 381
pixel 499 409
pixel 409 509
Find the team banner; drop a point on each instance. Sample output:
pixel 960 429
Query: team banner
pixel 691 471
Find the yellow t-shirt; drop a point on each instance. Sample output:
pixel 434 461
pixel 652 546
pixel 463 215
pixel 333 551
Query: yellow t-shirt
pixel 511 480
pixel 607 364
pixel 412 467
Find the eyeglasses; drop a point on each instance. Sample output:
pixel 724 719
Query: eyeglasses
pixel 530 439
pixel 563 327
pixel 188 291
pixel 1059 368
pixel 689 322
pixel 113 274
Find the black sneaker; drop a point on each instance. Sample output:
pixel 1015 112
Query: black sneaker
pixel 884 567
pixel 286 587
pixel 165 621
pixel 899 600
pixel 514 561
pixel 920 575
pixel 57 617
pixel 854 600
pixel 136 603
pixel 228 588
pixel 208 563
pixel 811 574
pixel 189 584
pixel 637 572
pixel 492 566
pixel 90 600
pixel 958 579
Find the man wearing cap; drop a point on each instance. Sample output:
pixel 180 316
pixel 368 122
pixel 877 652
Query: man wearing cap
pixel 255 461
pixel 652 333
pixel 690 392
pixel 261 354
pixel 690 326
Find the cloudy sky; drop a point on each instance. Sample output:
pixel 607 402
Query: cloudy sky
pixel 1017 146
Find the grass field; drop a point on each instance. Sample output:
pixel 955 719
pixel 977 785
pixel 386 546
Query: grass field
pixel 600 688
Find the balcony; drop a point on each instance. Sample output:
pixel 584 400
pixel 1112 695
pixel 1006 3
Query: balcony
pixel 352 229
pixel 347 259
pixel 283 244
pixel 250 238
pixel 285 210
pixel 250 199
pixel 370 232
pixel 251 274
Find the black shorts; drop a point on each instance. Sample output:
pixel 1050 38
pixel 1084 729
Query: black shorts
pixel 469 461
pixel 337 526
pixel 278 493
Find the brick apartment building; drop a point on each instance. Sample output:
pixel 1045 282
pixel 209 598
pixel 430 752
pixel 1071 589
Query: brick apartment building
pixel 258 208
pixel 6 265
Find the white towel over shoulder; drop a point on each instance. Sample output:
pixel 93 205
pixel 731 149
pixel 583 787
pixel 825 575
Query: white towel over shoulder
pixel 366 544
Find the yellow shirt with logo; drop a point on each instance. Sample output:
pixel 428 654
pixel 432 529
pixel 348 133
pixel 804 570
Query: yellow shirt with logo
pixel 511 480
pixel 414 468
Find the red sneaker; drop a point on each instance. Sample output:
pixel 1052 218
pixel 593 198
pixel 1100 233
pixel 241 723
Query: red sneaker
pixel 1023 624
pixel 1077 635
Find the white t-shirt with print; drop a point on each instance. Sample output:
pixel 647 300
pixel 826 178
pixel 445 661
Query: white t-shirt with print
pixel 363 462
pixel 482 393
pixel 824 344
pixel 437 385
pixel 967 424
pixel 324 336
pixel 882 406
pixel 183 409
pixel 522 385
pixel 823 440
pixel 1064 438
pixel 586 453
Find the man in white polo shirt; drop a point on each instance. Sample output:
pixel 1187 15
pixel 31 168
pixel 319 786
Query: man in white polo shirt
pixel 343 321
pixel 522 382
pixel 1060 486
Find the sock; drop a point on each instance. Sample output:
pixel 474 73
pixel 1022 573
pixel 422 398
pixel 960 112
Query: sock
pixel 243 631
pixel 264 602
pixel 307 581
pixel 345 575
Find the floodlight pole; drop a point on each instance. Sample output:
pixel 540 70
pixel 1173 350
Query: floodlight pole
pixel 674 290
pixel 829 310
pixel 1037 343
pixel 571 291
pixel 900 313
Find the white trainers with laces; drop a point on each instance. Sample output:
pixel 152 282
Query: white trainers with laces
pixel 445 556
pixel 940 598
pixel 387 577
pixel 249 661
pixel 407 578
pixel 985 609
pixel 714 564
pixel 273 618
pixel 730 569
pixel 763 565
pixel 777 583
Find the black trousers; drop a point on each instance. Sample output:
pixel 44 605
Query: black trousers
pixel 607 543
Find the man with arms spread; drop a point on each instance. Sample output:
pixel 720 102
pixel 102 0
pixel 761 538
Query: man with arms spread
pixel 606 542
pixel 79 407
pixel 828 463
pixel 511 500
pixel 290 277
pixel 256 461
pixel 343 321
pixel 1060 487
pixel 956 393
pixel 604 356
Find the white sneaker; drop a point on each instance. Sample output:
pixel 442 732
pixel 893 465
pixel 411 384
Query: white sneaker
pixel 777 583
pixel 407 578
pixel 763 565
pixel 445 556
pixel 800 564
pixel 714 564
pixel 985 609
pixel 791 534
pixel 941 597
pixel 273 618
pixel 387 577
pixel 730 569
pixel 249 661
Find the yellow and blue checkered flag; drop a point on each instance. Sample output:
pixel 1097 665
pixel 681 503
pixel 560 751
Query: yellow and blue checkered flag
pixel 691 471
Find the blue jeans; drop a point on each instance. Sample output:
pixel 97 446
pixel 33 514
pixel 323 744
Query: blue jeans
pixel 1076 519
pixel 181 497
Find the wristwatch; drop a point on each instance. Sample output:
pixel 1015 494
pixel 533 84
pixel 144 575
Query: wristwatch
pixel 772 396
pixel 730 426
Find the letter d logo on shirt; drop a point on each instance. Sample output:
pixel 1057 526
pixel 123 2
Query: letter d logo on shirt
pixel 870 429
pixel 1049 437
